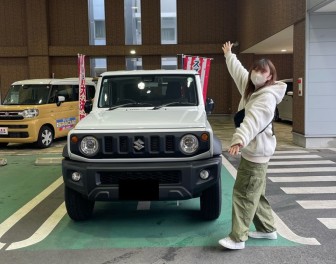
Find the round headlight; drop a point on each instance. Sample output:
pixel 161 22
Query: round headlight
pixel 189 144
pixel 89 146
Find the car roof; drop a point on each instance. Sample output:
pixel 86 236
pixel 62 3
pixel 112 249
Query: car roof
pixel 52 81
pixel 144 72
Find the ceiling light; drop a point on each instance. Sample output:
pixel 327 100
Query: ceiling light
pixel 132 52
pixel 283 50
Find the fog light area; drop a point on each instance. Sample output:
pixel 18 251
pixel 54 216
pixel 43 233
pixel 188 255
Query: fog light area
pixel 75 176
pixel 204 174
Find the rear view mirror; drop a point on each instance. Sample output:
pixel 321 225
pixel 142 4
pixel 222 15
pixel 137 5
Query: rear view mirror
pixel 60 99
pixel 209 106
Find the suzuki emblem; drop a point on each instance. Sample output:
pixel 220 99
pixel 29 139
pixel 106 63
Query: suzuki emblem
pixel 138 144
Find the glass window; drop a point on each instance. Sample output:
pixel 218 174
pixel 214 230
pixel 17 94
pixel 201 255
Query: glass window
pixel 169 63
pixel 133 63
pixel 168 22
pixel 100 29
pixel 158 90
pixel 97 66
pixel 132 14
pixel 29 94
pixel 97 32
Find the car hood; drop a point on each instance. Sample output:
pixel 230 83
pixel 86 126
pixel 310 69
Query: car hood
pixel 134 119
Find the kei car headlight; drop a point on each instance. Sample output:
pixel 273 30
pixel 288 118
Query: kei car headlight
pixel 30 113
pixel 89 146
pixel 189 144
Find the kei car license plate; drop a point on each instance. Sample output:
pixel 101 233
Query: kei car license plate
pixel 3 130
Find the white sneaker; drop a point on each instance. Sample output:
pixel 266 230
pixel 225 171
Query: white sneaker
pixel 256 234
pixel 229 243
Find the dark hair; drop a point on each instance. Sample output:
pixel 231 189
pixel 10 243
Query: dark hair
pixel 260 65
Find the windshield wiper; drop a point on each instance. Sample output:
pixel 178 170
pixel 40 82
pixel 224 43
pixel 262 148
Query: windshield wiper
pixel 173 103
pixel 129 104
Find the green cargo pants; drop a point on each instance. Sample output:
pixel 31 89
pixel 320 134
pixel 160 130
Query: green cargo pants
pixel 249 202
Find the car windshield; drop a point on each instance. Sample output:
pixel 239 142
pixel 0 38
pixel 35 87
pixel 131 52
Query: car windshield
pixel 147 91
pixel 30 94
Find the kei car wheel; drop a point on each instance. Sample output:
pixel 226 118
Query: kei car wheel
pixel 211 202
pixel 78 207
pixel 45 138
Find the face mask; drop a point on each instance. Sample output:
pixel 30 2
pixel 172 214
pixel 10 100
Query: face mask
pixel 257 78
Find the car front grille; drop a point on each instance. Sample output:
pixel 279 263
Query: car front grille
pixel 10 115
pixel 146 145
pixel 138 144
pixel 15 135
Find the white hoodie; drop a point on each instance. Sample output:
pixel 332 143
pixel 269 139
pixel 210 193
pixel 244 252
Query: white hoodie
pixel 259 112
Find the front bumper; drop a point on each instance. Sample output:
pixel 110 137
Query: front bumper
pixel 19 131
pixel 141 181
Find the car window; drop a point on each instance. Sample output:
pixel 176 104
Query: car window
pixel 153 90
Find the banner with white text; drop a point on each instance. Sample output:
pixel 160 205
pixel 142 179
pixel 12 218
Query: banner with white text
pixel 82 89
pixel 202 66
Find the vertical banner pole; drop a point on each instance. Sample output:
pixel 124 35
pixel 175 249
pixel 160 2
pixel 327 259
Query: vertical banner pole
pixel 82 87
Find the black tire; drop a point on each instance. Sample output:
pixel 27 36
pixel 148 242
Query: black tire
pixel 211 202
pixel 78 207
pixel 45 137
pixel 3 145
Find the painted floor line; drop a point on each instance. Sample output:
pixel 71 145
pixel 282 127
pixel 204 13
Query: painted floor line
pixel 300 162
pixel 143 205
pixel 295 170
pixel 43 231
pixel 290 151
pixel 282 228
pixel 328 222
pixel 285 232
pixel 318 204
pixel 296 157
pixel 309 190
pixel 303 179
pixel 16 217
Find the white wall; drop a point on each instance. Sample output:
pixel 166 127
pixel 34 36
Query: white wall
pixel 320 86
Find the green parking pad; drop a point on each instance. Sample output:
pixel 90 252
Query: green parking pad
pixel 21 180
pixel 166 224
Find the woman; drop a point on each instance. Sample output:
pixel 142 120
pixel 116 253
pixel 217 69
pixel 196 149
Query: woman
pixel 254 137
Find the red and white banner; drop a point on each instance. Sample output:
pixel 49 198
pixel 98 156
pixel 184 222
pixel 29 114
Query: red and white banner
pixel 202 66
pixel 82 89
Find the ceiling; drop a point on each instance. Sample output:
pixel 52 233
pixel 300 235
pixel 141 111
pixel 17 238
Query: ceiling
pixel 282 42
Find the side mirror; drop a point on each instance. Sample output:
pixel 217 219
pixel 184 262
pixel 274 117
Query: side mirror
pixel 59 100
pixel 209 106
pixel 88 107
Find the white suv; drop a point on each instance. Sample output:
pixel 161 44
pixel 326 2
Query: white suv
pixel 146 138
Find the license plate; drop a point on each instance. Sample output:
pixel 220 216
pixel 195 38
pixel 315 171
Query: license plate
pixel 3 130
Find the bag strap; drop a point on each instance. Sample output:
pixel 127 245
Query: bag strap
pixel 268 125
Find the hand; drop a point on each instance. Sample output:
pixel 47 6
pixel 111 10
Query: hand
pixel 227 47
pixel 234 150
